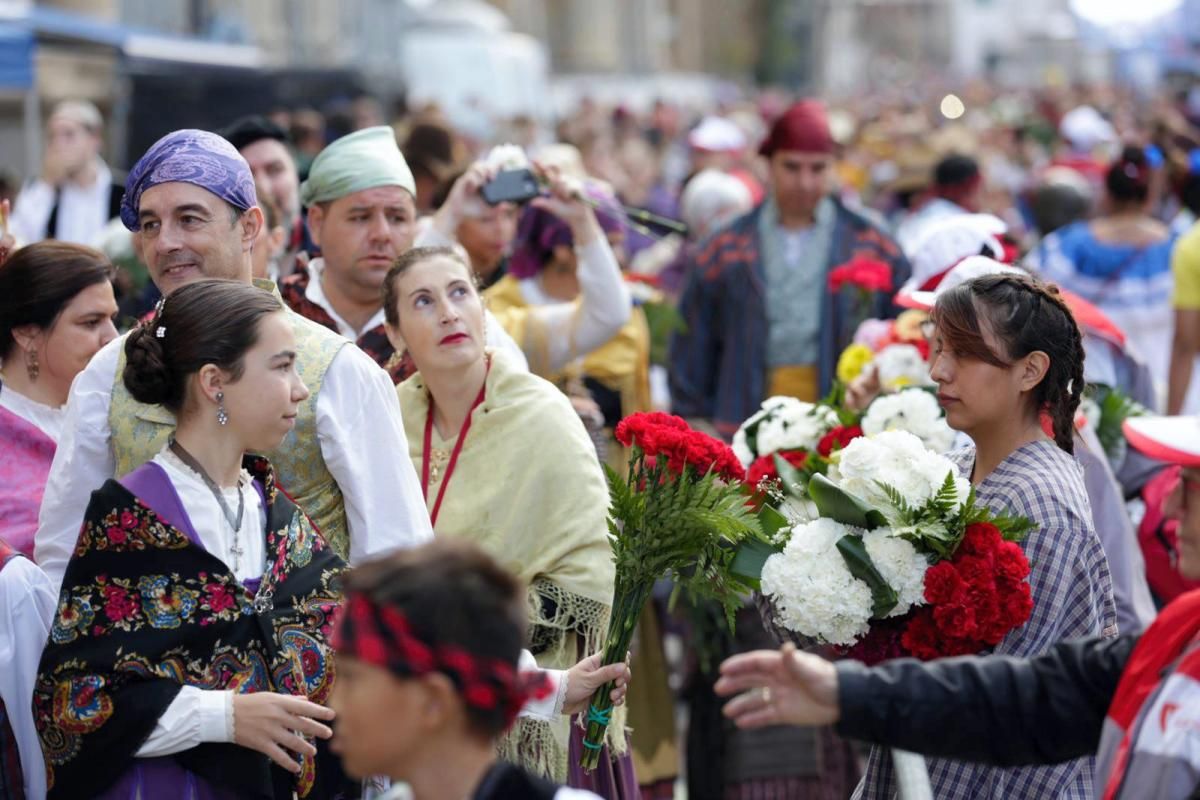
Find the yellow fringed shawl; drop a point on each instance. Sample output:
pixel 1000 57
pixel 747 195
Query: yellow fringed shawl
pixel 529 490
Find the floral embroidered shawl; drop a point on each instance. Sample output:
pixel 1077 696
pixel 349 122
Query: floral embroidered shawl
pixel 145 610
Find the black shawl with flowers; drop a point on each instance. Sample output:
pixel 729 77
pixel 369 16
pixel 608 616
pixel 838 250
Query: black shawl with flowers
pixel 144 611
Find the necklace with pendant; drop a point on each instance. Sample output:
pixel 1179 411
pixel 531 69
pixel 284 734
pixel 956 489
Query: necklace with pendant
pixel 234 520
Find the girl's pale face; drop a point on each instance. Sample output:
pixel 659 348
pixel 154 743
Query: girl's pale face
pixel 973 393
pixel 441 316
pixel 264 402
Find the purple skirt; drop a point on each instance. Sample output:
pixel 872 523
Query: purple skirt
pixel 612 779
pixel 151 778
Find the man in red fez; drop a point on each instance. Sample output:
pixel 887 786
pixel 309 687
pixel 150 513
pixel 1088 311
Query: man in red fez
pixel 761 318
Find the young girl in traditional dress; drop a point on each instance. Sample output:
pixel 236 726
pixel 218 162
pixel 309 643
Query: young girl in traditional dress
pixel 429 645
pixel 56 310
pixel 188 657
pixel 1007 351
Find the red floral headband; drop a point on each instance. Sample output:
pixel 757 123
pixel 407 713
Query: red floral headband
pixel 383 636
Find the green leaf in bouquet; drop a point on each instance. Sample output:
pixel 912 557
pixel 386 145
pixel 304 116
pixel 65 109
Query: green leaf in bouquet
pixel 841 506
pixel 931 536
pixel 1115 408
pixel 1013 528
pixel 790 478
pixel 771 521
pixel 854 551
pixel 750 557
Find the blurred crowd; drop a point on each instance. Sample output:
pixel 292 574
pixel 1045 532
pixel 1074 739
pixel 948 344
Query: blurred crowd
pixel 614 284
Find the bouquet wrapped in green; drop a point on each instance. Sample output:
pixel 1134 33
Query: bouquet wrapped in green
pixel 681 511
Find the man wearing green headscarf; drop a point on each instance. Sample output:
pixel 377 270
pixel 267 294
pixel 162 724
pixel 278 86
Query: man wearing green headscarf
pixel 360 196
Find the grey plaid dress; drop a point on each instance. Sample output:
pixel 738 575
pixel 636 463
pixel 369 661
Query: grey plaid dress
pixel 1072 598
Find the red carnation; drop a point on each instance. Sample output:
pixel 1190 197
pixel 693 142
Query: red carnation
pixel 943 584
pixel 865 273
pixel 980 539
pixel 838 438
pixel 1011 564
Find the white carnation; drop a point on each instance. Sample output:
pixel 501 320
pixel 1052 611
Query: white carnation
pixel 813 592
pixel 900 460
pixel 901 365
pixel 784 423
pixel 912 410
pixel 794 426
pixel 900 565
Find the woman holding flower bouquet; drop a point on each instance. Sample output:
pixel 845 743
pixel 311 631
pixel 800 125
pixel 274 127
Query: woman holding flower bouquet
pixel 472 415
pixel 1128 700
pixel 1006 350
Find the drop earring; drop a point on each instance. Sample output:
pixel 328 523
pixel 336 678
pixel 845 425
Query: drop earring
pixel 222 414
pixel 31 365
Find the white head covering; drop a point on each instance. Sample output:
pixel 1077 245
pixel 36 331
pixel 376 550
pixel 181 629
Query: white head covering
pixel 712 198
pixel 1085 129
pixel 968 269
pixel 944 243
pixel 717 135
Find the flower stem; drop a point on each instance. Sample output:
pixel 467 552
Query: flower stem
pixel 627 607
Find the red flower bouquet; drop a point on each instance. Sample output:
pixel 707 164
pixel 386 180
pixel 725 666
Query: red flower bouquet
pixel 680 511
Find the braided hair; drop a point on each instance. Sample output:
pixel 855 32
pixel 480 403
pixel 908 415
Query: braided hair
pixel 1025 315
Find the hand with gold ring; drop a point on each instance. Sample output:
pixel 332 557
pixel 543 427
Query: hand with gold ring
pixel 779 687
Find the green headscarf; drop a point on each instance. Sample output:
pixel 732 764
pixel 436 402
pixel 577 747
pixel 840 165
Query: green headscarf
pixel 361 160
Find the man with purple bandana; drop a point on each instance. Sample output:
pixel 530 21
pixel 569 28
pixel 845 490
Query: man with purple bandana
pixel 191 203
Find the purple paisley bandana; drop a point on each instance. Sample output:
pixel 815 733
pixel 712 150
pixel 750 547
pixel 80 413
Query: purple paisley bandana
pixel 190 156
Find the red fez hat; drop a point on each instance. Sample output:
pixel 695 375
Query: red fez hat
pixel 804 127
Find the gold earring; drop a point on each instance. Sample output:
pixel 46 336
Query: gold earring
pixel 31 364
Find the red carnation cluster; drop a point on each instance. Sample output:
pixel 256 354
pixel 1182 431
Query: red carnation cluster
pixel 868 274
pixel 838 438
pixel 659 434
pixel 974 599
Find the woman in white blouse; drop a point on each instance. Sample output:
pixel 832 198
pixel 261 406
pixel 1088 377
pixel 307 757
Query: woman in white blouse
pixel 56 312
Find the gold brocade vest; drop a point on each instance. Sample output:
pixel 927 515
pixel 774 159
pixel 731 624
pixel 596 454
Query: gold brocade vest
pixel 140 431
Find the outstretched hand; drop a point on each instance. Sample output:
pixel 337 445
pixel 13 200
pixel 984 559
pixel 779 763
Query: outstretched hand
pixel 779 687
pixel 588 675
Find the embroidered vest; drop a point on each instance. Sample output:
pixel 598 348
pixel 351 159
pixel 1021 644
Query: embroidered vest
pixel 140 431
pixel 12 779
pixel 373 342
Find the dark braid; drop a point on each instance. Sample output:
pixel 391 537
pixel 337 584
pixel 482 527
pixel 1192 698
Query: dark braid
pixel 1026 315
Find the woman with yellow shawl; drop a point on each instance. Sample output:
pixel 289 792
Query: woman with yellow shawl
pixel 506 463
pixel 561 258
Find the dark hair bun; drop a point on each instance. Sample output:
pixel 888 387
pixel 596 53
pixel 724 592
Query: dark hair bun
pixel 146 374
pixel 1128 177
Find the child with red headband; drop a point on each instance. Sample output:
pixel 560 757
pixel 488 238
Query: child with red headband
pixel 428 645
